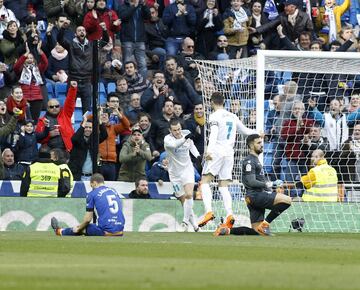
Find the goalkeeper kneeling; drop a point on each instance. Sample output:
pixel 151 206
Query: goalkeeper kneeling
pixel 259 194
pixel 321 181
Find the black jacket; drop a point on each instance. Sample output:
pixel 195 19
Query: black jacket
pixel 134 194
pixel 80 149
pixel 156 33
pixel 13 172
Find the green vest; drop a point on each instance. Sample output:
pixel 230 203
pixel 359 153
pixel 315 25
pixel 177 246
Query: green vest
pixel 44 179
pixel 325 188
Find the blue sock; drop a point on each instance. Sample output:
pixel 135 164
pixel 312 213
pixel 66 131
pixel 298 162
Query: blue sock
pixel 68 232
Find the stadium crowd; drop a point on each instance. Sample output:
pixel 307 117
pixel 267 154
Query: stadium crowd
pixel 148 76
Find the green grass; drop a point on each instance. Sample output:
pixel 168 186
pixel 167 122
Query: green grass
pixel 179 261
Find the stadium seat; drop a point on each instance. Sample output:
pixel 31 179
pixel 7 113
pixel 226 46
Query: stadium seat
pixel 102 94
pixel 50 90
pixel 111 87
pixel 78 115
pixel 60 90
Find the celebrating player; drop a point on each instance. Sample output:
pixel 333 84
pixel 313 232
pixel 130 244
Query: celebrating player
pixel 178 144
pixel 108 206
pixel 259 195
pixel 219 156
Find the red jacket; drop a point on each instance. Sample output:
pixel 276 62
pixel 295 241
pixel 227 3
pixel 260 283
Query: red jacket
pixel 93 29
pixel 294 136
pixel 64 120
pixel 31 92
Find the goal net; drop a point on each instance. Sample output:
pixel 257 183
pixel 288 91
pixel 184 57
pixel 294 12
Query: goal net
pixel 302 101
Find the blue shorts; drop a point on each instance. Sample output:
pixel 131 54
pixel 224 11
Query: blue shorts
pixel 94 230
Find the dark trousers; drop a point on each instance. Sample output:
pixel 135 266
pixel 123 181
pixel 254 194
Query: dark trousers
pixel 108 170
pixel 84 92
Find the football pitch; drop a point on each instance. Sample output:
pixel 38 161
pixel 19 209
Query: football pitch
pixel 41 260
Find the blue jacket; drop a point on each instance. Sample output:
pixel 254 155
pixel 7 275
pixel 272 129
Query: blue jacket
pixel 157 172
pixel 26 147
pixel 181 26
pixel 55 65
pixel 132 18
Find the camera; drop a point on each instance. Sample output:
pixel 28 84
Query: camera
pixel 108 110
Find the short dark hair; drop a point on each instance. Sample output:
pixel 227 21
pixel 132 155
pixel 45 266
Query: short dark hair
pixel 158 72
pixel 143 114
pixel 97 177
pixel 137 181
pixel 131 61
pixel 174 121
pixel 217 98
pixel 167 101
pixel 251 138
pixel 111 95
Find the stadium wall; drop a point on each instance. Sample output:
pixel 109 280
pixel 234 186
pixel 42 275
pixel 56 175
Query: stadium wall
pixel 34 214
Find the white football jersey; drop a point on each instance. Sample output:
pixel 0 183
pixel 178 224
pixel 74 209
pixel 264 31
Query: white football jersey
pixel 178 153
pixel 226 125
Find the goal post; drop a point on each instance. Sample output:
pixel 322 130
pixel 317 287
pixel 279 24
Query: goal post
pixel 250 87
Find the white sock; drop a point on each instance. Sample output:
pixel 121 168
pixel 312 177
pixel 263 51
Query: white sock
pixel 227 200
pixel 188 205
pixel 192 216
pixel 206 196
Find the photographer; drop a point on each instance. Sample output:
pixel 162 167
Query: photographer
pixel 133 156
pixel 153 98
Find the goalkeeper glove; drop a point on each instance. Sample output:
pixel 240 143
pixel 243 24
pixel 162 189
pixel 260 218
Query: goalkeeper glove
pixel 278 183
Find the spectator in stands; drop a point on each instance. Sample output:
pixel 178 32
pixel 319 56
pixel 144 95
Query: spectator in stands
pixel 80 63
pixel 54 8
pixel 43 178
pixel 178 110
pixel 8 140
pixel 12 39
pixel 292 132
pixel 156 33
pixel 133 14
pixel 328 20
pixel 26 147
pixel 187 56
pixel 58 68
pixel 82 153
pixel 160 128
pixel 316 45
pixel 113 107
pixel 19 7
pixel 312 142
pixel 16 99
pixel 354 103
pixel 61 129
pixel 29 72
pixel 273 115
pixel 141 189
pixel 6 15
pixel 196 125
pixel 107 149
pixel 134 109
pixel 133 156
pixel 122 93
pixel 250 120
pixel 346 34
pixel 349 160
pixel 101 19
pixel 321 181
pixel 110 64
pixel 236 23
pixel 181 85
pixel 153 98
pixel 221 48
pixel 83 7
pixel 159 170
pixel 136 82
pixel 61 158
pixel 12 170
pixel 303 44
pixel 5 130
pixel 180 18
pixel 53 30
pixel 208 24
pixel 294 20
pixel 144 122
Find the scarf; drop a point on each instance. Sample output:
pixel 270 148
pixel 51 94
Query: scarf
pixel 329 11
pixel 200 120
pixel 292 18
pixel 240 17
pixel 28 72
pixel 270 9
pixel 257 20
pixel 11 104
pixel 57 55
pixel 209 15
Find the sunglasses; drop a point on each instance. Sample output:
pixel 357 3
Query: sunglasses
pixel 55 106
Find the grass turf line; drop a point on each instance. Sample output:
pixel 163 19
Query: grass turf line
pixel 179 261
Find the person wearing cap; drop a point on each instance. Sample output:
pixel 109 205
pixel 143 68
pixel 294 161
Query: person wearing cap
pixel 133 156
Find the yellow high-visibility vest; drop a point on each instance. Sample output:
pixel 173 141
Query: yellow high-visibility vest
pixel 44 179
pixel 325 187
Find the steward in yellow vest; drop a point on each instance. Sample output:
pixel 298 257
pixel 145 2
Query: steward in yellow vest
pixel 321 181
pixel 43 179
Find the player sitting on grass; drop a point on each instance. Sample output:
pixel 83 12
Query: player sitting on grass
pixel 219 156
pixel 108 206
pixel 259 195
pixel 178 144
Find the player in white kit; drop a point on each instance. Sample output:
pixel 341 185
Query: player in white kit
pixel 178 144
pixel 219 157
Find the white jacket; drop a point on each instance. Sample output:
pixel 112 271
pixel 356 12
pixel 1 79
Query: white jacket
pixel 336 130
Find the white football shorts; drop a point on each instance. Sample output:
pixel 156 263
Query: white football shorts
pixel 219 165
